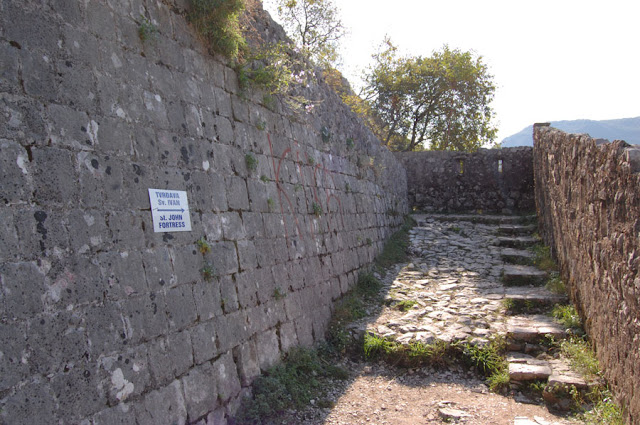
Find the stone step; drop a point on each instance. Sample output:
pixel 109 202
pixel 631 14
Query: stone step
pixel 525 331
pixel 523 367
pixel 531 300
pixel 478 218
pixel 517 241
pixel 518 275
pixel 517 256
pixel 516 229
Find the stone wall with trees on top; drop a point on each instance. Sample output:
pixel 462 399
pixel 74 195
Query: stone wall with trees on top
pixel 105 321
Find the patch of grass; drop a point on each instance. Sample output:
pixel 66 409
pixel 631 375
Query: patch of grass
pixel 325 134
pixel 203 246
pixel 251 161
pixel 271 204
pixel 264 178
pixel 207 272
pixel 520 306
pixel 261 125
pixel 146 29
pixel 499 380
pixel 405 305
pixel 395 250
pixel 311 161
pixel 350 143
pixel 604 410
pixel 292 384
pixel 487 359
pixel 412 355
pixel 568 317
pixel 317 209
pixel 581 356
pixel 278 294
pixel 376 346
pixel 368 286
pixel 217 21
pixel 543 259
pixel 555 284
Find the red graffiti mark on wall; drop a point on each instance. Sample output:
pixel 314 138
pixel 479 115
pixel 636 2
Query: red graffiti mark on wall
pixel 321 176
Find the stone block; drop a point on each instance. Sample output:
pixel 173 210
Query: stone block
pixel 55 179
pixel 9 244
pixel 127 229
pixel 181 307
pixel 165 406
pixel 121 414
pixel 88 230
pixel 170 357
pixel 145 317
pixel 232 227
pixel 15 173
pixel 231 330
pixel 127 374
pixel 226 377
pixel 107 332
pixel 288 336
pixel 33 403
pixel 123 273
pixel 187 264
pixel 253 224
pixel 237 196
pixel 225 257
pixel 101 20
pixel 158 268
pixel 23 287
pixel 247 289
pixel 247 255
pixel 246 358
pixel 269 353
pixel 228 294
pixel 12 369
pixel 207 299
pixel 39 79
pixel 200 391
pixel 203 340
pixel 55 340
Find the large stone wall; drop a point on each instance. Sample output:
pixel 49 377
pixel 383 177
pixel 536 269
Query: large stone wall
pixel 588 202
pixel 104 321
pixel 489 180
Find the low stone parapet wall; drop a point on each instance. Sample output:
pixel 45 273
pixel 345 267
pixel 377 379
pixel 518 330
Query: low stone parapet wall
pixel 588 202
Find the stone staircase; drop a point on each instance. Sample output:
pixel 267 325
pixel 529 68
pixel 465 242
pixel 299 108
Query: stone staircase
pixel 472 277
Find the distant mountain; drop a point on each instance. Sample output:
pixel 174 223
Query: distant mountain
pixel 627 129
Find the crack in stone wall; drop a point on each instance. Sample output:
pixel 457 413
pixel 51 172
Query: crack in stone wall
pixel 588 201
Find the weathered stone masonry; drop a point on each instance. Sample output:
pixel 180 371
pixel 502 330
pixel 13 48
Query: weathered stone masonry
pixel 104 321
pixel 588 202
pixel 489 180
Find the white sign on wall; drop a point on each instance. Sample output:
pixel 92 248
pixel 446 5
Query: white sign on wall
pixel 170 210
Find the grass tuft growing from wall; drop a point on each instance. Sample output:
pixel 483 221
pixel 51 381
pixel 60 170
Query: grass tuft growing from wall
pixel 217 21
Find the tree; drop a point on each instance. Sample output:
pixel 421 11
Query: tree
pixel 443 100
pixel 315 27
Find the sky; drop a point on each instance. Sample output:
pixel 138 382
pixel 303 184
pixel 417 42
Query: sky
pixel 551 60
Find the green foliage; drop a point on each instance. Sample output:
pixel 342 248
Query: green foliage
pixel 217 21
pixel 146 29
pixel 581 356
pixel 325 134
pixel 251 162
pixel 604 410
pixel 268 67
pixel 271 204
pixel 261 125
pixel 395 250
pixel 368 285
pixel 350 143
pixel 411 355
pixel 556 285
pixel 203 246
pixel 278 294
pixel 317 209
pixel 291 384
pixel 405 305
pixel 543 259
pixel 264 178
pixel 568 317
pixel 207 272
pixel 488 359
pixel 315 27
pixel 443 100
